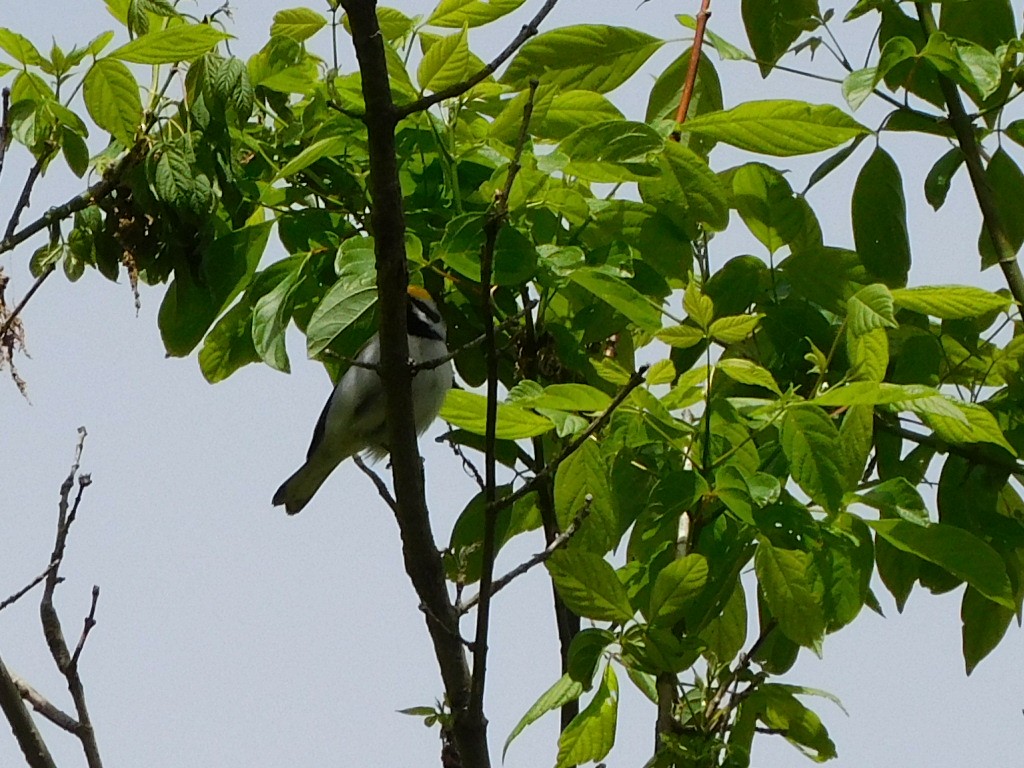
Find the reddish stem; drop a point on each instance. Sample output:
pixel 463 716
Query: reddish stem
pixel 691 72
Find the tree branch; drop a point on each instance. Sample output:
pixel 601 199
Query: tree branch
pixel 557 543
pixel 77 203
pixel 67 663
pixel 28 587
pixel 529 30
pixel 492 226
pixel 9 321
pixel 549 469
pixel 422 558
pixel 37 755
pixel 44 707
pixel 24 199
pixel 963 126
pixel 691 71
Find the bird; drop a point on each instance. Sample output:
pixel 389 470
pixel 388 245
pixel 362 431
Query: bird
pixel 354 419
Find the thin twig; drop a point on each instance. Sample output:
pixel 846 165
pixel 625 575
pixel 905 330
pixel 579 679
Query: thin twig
pixel 45 707
pixel 52 629
pixel 24 199
pixel 492 226
pixel 529 30
pixel 557 543
pixel 90 622
pixel 634 381
pixel 28 587
pixel 24 300
pixel 378 482
pixel 691 71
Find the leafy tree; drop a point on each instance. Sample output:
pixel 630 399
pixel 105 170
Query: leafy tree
pixel 628 386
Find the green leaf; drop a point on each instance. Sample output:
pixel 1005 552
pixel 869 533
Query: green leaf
pixel 585 652
pixel 869 308
pixel 470 13
pixel 623 297
pixel 468 411
pixel 699 307
pixel 897 497
pixel 297 24
pixel 939 178
pixel 855 439
pixel 112 98
pixel 569 397
pixel 228 346
pixel 270 319
pixel 959 552
pixel 967 64
pixel 689 185
pixel 76 151
pixel 774 25
pixel 19 48
pixel 950 302
pixel 678 584
pixel 184 42
pixel 571 110
pixel 447 62
pixel 561 693
pixel 515 258
pixel 589 586
pixel 767 205
pixel 581 484
pixel 734 329
pixel 591 734
pixel 726 634
pixel 780 128
pixel 681 336
pixel 810 441
pixel 1007 185
pixel 858 86
pixel 794 591
pixel 872 393
pixel 868 355
pixel 748 372
pixel 345 304
pixel 612 151
pixel 782 712
pixel 332 146
pixel 879 213
pixel 589 57
pixel 969 423
pixel 984 624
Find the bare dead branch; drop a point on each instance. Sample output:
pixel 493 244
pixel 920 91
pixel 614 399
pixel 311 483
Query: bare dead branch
pixel 27 588
pixel 557 543
pixel 52 629
pixel 90 622
pixel 45 707
pixel 37 755
pixel 529 30
pixel 9 320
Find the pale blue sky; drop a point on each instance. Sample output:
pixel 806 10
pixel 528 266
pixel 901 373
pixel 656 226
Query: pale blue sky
pixel 229 635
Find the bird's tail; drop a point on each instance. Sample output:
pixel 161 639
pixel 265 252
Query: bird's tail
pixel 297 490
